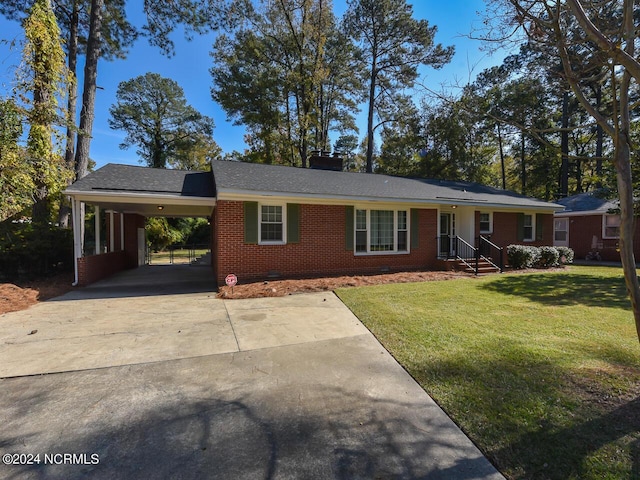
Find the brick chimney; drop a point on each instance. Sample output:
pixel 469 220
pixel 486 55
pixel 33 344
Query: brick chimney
pixel 322 160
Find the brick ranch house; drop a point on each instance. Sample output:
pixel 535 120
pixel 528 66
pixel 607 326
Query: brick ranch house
pixel 590 223
pixel 276 221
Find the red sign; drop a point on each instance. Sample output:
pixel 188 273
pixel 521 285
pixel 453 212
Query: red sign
pixel 231 280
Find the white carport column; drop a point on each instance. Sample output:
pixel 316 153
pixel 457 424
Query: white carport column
pixel 97 223
pixel 78 234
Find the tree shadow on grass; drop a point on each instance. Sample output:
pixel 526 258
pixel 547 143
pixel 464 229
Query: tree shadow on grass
pixel 579 441
pixel 534 419
pixel 560 289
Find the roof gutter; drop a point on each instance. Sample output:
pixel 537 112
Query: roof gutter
pixel 143 198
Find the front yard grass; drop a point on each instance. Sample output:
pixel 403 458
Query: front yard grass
pixel 540 370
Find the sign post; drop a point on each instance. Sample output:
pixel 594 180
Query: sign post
pixel 231 280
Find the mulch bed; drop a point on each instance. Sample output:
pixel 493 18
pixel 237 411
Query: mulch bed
pixel 14 297
pixel 280 288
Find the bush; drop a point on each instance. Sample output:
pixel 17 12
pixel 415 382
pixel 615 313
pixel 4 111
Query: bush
pixel 528 256
pixel 565 255
pixel 548 257
pixel 29 251
pixel 522 256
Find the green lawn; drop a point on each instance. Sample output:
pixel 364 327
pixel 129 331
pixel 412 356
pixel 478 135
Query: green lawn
pixel 541 370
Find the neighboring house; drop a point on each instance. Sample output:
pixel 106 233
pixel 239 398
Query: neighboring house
pixel 590 225
pixel 276 221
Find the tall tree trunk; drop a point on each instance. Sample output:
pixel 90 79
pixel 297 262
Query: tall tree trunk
pixel 579 187
pixel 523 171
pixel 623 169
pixel 599 140
pixel 87 113
pixel 292 159
pixel 39 147
pixel 69 154
pixel 627 225
pixel 622 147
pixel 372 98
pixel 564 148
pixel 502 168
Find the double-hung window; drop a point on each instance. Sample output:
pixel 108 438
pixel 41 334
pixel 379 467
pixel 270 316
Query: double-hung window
pixel 380 231
pixel 611 226
pixel 528 227
pixel 485 222
pixel 271 224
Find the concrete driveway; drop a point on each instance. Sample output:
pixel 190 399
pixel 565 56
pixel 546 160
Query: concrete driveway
pixel 160 379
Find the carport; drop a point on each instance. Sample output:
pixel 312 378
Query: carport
pixel 129 194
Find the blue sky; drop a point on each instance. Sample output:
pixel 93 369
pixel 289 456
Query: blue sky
pixel 191 62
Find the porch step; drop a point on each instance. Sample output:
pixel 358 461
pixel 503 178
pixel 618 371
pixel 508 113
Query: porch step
pixel 484 267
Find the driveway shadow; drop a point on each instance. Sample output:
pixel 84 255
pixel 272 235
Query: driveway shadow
pixel 148 280
pixel 248 437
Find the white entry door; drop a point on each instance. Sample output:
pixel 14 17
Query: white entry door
pixel 447 232
pixel 561 232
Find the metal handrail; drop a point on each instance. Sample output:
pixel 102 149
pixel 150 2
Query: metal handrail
pixel 465 252
pixel 486 240
pixel 468 255
pixel 489 258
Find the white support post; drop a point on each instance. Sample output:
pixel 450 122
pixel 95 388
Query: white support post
pixel 77 220
pixel 83 209
pixel 122 231
pixel 97 224
pixel 112 234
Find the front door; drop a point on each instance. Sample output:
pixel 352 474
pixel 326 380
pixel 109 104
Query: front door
pixel 447 232
pixel 561 232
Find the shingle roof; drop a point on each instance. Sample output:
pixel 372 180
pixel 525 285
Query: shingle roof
pixel 587 202
pixel 115 178
pixel 238 177
pixel 257 179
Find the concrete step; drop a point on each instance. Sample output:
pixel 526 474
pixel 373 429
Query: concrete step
pixel 484 267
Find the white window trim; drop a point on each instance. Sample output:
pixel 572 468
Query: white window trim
pixel 284 224
pixel 604 227
pixel 490 231
pixel 533 228
pixel 567 223
pixel 395 250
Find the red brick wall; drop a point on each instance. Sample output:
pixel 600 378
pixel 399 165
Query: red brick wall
pixel 581 232
pixel 131 224
pixel 96 267
pixel 505 230
pixel 321 250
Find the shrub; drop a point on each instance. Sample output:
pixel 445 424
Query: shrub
pixel 565 255
pixel 29 251
pixel 547 257
pixel 522 256
pixel 528 256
